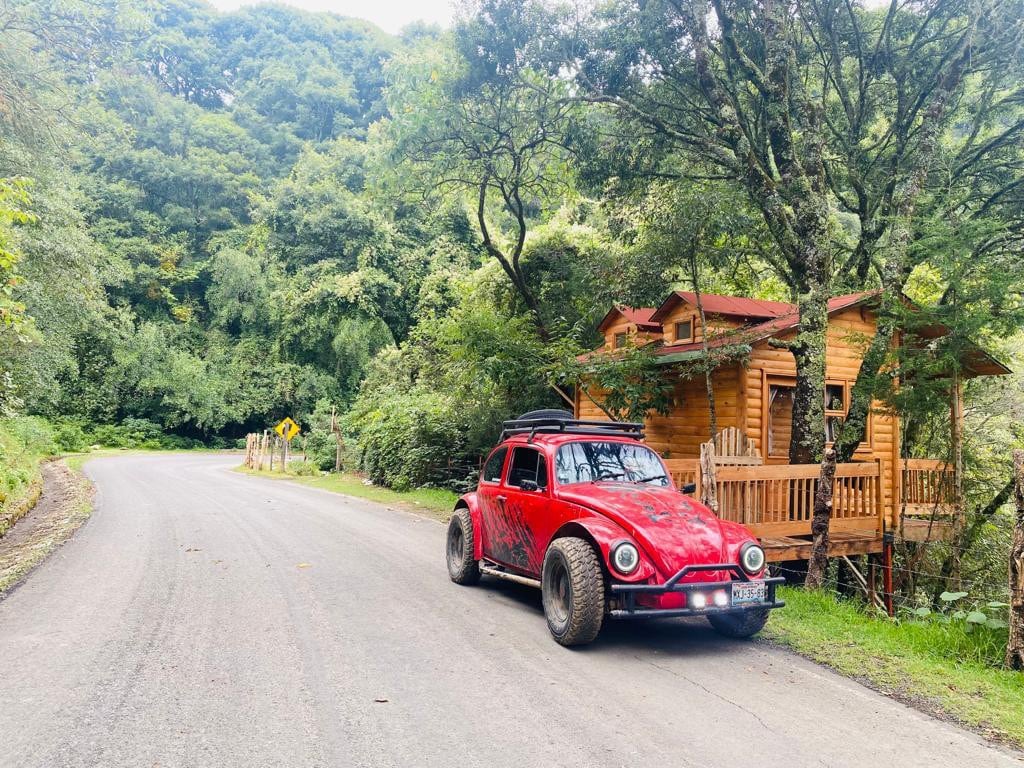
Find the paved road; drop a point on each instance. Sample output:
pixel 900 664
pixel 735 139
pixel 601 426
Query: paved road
pixel 204 618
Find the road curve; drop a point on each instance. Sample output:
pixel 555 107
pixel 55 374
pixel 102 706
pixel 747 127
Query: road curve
pixel 206 618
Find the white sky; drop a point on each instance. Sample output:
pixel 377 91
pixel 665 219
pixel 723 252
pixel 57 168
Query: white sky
pixel 389 15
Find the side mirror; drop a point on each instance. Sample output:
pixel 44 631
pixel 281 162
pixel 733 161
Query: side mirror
pixel 689 488
pixel 530 485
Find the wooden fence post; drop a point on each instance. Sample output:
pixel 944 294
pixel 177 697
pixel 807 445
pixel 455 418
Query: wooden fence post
pixel 708 484
pixel 1015 642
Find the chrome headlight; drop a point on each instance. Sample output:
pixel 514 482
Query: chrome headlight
pixel 752 558
pixel 625 558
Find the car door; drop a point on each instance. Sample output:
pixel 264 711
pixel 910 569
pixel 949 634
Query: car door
pixel 490 496
pixel 527 509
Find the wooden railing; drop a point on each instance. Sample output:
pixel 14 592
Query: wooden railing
pixel 927 487
pixel 778 499
pixel 684 472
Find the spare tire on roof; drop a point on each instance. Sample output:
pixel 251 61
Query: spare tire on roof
pixel 546 413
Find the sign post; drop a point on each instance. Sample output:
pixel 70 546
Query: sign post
pixel 287 429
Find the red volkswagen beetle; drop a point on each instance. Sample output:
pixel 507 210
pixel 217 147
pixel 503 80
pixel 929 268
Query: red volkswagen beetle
pixel 588 513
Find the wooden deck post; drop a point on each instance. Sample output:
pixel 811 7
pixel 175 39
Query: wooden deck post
pixel 872 579
pixel 888 539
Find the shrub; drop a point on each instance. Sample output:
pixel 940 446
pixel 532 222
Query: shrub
pixel 138 433
pixel 412 439
pixel 320 442
pixel 963 629
pixel 32 435
pixel 303 468
pixel 70 437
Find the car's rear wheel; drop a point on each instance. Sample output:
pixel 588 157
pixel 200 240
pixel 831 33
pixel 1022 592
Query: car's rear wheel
pixel 462 566
pixel 741 624
pixel 572 590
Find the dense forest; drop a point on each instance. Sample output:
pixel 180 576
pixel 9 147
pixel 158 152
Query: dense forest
pixel 209 221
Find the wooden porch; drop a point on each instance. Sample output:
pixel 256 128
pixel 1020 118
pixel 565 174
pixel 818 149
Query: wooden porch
pixel 776 502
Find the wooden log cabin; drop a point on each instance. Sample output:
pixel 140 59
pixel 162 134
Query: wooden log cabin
pixel 750 474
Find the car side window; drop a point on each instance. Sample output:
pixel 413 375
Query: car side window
pixel 492 469
pixel 527 464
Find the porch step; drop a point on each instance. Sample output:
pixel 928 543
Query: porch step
pixel 780 548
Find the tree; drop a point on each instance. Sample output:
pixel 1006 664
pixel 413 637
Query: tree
pixel 495 134
pixel 825 113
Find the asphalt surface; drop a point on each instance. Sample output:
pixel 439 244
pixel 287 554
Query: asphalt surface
pixel 206 618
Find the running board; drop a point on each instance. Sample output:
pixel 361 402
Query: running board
pixel 489 569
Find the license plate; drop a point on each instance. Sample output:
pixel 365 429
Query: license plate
pixel 744 592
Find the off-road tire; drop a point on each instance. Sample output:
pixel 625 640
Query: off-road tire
pixel 462 566
pixel 741 624
pixel 572 590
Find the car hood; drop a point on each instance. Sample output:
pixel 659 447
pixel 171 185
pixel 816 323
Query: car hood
pixel 673 529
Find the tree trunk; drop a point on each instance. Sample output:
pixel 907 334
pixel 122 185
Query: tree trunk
pixel 1015 642
pixel 708 373
pixel 818 562
pixel 807 443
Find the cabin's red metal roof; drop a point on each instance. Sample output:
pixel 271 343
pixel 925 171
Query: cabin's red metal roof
pixel 976 360
pixel 791 319
pixel 639 316
pixel 725 306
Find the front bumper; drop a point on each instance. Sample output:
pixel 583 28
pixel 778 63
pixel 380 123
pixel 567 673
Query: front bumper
pixel 627 595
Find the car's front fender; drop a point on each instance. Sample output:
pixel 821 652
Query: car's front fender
pixel 472 503
pixel 606 534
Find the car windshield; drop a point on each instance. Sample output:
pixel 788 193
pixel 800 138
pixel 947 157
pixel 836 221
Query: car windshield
pixel 593 461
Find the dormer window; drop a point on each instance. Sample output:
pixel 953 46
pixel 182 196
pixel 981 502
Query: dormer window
pixel 684 330
pixel 619 341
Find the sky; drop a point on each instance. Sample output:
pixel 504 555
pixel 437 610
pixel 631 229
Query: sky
pixel 389 15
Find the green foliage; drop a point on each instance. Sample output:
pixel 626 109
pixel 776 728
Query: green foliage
pixel 428 412
pixel 627 384
pixel 13 200
pixel 971 631
pixel 24 442
pixel 321 443
pixel 409 439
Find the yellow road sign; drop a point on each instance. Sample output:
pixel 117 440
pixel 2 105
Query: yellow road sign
pixel 287 429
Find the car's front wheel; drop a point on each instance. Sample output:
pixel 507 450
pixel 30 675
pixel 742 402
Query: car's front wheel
pixel 741 624
pixel 462 566
pixel 572 590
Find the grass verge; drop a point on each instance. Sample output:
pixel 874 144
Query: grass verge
pixel 23 445
pixel 433 502
pixel 64 506
pixel 908 661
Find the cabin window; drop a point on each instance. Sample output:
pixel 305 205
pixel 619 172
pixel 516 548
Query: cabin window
pixel 527 464
pixel 780 420
pixel 492 469
pixel 837 406
pixel 684 331
pixel 619 341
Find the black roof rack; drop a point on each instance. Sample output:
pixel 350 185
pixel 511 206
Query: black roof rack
pixel 571 427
